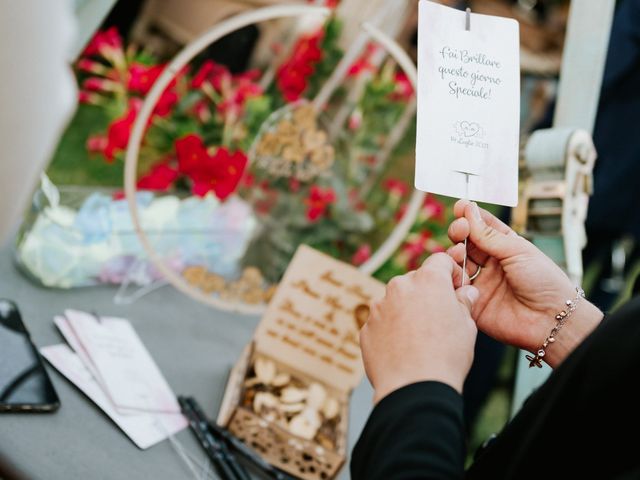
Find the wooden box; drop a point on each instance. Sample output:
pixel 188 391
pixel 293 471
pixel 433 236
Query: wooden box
pixel 288 395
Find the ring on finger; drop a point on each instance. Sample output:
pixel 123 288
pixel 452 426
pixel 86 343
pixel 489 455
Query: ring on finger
pixel 476 274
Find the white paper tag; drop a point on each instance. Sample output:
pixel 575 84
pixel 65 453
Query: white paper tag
pixel 144 429
pixel 124 366
pixel 468 105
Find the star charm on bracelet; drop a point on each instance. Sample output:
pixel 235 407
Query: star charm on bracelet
pixel 534 360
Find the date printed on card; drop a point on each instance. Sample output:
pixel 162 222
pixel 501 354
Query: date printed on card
pixel 468 105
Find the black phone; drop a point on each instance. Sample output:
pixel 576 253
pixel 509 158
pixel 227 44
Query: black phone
pixel 25 385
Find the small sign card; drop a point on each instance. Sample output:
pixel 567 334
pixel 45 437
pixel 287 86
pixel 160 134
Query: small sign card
pixel 467 140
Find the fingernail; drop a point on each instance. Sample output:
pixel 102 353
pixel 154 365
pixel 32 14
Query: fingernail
pixel 475 211
pixel 472 294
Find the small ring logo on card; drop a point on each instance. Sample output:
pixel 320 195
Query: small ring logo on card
pixel 469 134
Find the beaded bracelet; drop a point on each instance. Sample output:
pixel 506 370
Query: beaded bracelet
pixel 561 317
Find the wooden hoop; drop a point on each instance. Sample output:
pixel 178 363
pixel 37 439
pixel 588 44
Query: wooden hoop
pixel 389 246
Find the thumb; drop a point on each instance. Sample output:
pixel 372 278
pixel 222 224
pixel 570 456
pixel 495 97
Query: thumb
pixel 487 238
pixel 467 296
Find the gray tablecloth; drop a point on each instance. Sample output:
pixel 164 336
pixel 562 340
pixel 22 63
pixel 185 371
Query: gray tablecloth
pixel 194 347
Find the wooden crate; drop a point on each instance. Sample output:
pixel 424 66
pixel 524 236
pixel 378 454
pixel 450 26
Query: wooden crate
pixel 310 332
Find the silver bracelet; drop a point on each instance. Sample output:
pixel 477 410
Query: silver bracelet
pixel 561 318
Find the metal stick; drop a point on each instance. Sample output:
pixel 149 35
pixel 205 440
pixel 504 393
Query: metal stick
pixel 464 260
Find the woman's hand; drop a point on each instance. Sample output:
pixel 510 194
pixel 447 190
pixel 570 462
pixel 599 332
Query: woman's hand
pixel 521 289
pixel 421 330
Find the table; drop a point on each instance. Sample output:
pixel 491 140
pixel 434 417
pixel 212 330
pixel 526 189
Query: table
pixel 194 347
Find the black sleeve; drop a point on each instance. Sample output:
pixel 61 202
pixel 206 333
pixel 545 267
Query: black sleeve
pixel 415 432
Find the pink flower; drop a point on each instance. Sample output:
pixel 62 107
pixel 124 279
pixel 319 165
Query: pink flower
pixel 432 208
pixel 355 119
pixel 294 184
pixel 89 98
pixel 97 143
pixel 201 111
pixel 363 253
pixel 248 180
pixel 396 188
pixel 97 84
pixel 413 250
pixel 91 66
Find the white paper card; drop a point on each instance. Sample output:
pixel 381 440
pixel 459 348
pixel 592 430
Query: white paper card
pixel 468 105
pixel 70 336
pixel 124 366
pixel 144 429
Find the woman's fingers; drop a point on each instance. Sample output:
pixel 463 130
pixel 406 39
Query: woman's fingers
pixel 489 235
pixel 491 220
pixel 458 231
pixel 440 262
pixel 457 253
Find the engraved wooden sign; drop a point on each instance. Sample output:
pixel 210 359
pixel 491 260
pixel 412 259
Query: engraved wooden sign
pixel 313 319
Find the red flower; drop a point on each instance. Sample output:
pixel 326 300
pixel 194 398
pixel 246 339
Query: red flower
pixel 396 188
pixel 104 41
pixel 191 153
pixel 160 178
pixel 120 130
pixel 219 173
pixel 236 96
pixel 363 253
pixel 292 76
pixel 142 77
pixel 233 90
pixel 404 88
pixel 213 73
pixel 318 201
pixel 363 64
pixel 166 102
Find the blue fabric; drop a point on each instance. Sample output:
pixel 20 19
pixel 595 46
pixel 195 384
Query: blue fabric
pixel 615 205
